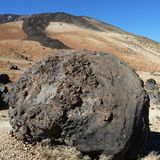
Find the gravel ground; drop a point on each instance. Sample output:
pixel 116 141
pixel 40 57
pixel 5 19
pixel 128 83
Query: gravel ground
pixel 12 149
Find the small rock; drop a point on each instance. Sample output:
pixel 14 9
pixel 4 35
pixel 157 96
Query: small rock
pixel 13 67
pixel 150 84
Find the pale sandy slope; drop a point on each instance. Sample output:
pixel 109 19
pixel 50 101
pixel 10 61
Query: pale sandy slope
pixel 138 53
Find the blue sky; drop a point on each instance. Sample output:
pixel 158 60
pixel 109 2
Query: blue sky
pixel 141 17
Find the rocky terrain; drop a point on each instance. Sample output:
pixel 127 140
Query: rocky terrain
pixel 24 40
pixel 5 18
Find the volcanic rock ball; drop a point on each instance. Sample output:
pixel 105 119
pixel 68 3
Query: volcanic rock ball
pixel 89 100
pixel 151 84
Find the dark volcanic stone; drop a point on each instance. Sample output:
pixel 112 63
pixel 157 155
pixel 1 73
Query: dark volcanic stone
pixel 5 18
pixel 3 91
pixel 93 101
pixel 4 79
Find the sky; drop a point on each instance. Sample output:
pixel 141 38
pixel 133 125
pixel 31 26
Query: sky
pixel 141 17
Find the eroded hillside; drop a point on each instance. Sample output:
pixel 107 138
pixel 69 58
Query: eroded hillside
pixel 26 40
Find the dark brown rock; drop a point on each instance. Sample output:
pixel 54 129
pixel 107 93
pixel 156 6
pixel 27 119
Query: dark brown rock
pixel 13 67
pixel 4 79
pixel 93 101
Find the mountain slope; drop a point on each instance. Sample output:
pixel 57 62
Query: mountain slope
pixel 5 18
pixel 141 53
pixel 30 38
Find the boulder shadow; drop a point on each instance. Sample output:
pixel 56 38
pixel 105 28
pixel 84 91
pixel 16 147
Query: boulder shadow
pixel 154 142
pixel 3 106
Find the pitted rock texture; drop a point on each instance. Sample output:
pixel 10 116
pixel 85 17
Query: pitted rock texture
pixel 93 101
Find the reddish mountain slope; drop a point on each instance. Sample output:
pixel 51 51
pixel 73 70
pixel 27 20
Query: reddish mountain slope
pixel 26 40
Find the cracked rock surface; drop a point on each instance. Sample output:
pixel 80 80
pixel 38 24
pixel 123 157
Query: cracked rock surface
pixel 90 100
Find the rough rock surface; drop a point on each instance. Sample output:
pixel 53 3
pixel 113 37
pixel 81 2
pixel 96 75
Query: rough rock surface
pixel 4 79
pixel 93 101
pixel 153 90
pixel 3 91
pixel 151 84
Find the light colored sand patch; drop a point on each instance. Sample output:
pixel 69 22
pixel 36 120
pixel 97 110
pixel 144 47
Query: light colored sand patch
pixel 14 60
pixel 122 45
pixel 59 27
pixel 154 117
pixel 5 125
pixel 146 75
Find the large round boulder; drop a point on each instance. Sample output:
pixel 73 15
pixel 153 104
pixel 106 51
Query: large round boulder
pixel 92 101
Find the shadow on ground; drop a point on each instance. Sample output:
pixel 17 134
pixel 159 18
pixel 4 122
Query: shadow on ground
pixel 3 106
pixel 155 141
